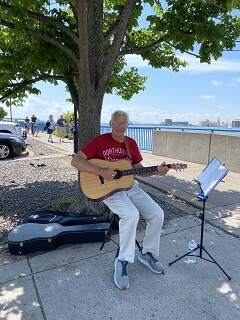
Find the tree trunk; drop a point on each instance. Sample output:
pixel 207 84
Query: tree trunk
pixel 83 205
pixel 89 125
pixel 89 118
pixel 90 98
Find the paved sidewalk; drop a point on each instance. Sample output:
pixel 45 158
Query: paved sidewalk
pixel 76 282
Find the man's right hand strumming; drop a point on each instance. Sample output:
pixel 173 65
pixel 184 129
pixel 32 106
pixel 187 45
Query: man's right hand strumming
pixel 107 174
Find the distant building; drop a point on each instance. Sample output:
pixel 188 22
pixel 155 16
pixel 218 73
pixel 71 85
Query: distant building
pixel 236 123
pixel 181 123
pixel 204 123
pixel 225 124
pixel 208 123
pixel 168 122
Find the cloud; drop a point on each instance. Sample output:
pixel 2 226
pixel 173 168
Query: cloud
pixel 194 66
pixel 234 82
pixel 207 97
pixel 216 83
pixel 156 115
pixel 221 65
pixel 134 60
pixel 108 110
pixel 40 107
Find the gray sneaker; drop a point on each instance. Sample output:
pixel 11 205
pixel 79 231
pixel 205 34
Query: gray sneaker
pixel 121 274
pixel 153 264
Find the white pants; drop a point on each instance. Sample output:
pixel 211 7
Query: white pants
pixel 127 205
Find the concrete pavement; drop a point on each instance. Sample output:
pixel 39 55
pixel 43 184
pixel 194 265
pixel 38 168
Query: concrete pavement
pixel 76 282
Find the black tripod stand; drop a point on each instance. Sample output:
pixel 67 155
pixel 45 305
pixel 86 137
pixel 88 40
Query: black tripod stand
pixel 200 246
pixel 115 220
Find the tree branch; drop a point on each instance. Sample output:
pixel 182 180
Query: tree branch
pixel 95 40
pixel 176 47
pixel 233 50
pixel 55 43
pixel 84 74
pixel 57 24
pixel 45 38
pixel 24 83
pixel 73 91
pixel 213 3
pixel 42 17
pixel 110 31
pixel 138 50
pixel 118 38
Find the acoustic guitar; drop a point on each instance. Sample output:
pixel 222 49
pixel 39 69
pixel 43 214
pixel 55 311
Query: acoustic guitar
pixel 96 188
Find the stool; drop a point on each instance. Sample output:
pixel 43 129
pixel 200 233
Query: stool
pixel 115 219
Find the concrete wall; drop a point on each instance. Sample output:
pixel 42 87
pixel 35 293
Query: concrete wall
pixel 227 150
pixel 198 147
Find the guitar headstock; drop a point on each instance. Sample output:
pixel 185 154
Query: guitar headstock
pixel 177 166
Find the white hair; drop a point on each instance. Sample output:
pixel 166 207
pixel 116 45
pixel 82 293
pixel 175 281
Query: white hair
pixel 119 113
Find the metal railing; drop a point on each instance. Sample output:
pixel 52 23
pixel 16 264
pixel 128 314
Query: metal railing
pixel 202 129
pixel 143 134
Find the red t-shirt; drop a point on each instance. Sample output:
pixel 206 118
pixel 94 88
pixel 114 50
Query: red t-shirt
pixel 106 148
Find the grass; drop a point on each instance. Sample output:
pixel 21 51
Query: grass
pixel 61 205
pixel 67 134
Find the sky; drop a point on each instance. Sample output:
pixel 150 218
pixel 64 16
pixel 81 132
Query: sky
pixel 195 93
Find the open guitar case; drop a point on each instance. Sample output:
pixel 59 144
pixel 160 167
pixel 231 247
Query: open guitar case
pixel 46 230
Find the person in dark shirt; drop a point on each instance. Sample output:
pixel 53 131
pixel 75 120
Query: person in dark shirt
pixel 33 124
pixel 61 123
pixel 49 126
pixel 27 124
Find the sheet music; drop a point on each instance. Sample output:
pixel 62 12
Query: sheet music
pixel 213 173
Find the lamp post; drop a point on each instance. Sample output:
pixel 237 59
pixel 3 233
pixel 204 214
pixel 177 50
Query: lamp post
pixel 75 131
pixel 10 110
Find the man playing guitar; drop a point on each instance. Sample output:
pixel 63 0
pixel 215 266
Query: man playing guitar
pixel 128 204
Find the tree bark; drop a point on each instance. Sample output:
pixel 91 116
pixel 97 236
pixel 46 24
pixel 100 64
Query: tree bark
pixel 89 112
pixel 83 205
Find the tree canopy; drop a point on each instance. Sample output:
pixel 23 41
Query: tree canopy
pixel 85 44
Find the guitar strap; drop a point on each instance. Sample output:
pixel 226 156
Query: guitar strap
pixel 127 147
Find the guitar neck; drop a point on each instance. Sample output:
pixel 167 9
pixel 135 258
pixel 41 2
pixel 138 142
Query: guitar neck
pixel 139 170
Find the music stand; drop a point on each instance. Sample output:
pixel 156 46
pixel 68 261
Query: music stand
pixel 208 179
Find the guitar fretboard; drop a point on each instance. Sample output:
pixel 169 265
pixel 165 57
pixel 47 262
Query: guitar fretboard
pixel 139 170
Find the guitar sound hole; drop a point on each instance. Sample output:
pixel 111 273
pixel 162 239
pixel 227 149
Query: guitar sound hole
pixel 101 179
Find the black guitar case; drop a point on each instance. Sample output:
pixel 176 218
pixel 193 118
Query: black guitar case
pixel 46 230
